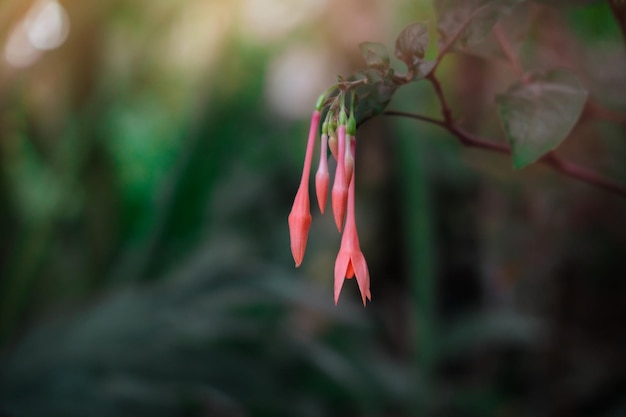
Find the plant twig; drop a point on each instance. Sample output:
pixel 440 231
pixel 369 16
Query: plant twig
pixel 464 137
pixel 446 112
pixel 584 174
pixel 472 141
pixel 593 106
pixel 604 113
pixel 564 167
pixel 467 139
pixel 430 120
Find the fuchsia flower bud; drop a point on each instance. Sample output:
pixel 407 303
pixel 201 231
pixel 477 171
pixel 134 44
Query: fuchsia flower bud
pixel 299 224
pixel 350 147
pixel 300 216
pixel 340 186
pixel 350 260
pixel 332 142
pixel 349 157
pixel 322 177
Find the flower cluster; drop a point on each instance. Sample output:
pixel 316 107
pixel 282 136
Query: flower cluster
pixel 338 134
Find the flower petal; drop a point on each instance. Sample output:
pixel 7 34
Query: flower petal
pixel 300 216
pixel 350 271
pixel 341 265
pixel 362 274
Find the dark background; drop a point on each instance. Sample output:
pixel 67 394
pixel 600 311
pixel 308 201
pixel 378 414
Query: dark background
pixel 147 166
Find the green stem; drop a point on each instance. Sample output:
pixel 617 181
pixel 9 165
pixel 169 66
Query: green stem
pixel 420 253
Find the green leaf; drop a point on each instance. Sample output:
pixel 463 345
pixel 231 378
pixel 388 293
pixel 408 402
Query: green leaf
pixel 372 99
pixel 468 22
pixel 376 55
pixel 515 27
pixel 372 76
pixel 411 45
pixel 538 114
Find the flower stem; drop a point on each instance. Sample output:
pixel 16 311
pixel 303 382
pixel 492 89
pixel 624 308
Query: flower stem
pixel 420 253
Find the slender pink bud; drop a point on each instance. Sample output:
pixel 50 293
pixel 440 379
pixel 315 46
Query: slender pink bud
pixel 340 186
pixel 300 216
pixel 322 177
pixel 299 224
pixel 349 158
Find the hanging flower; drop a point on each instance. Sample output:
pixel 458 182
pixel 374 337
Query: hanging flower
pixel 350 260
pixel 300 216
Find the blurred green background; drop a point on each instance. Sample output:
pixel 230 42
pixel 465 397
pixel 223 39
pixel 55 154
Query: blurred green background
pixel 150 151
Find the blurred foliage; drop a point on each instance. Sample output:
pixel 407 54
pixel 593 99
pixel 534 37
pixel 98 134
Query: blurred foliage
pixel 217 337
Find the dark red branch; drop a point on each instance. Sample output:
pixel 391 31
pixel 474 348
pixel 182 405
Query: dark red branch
pixel 472 141
pixel 604 113
pixel 416 117
pixel 584 174
pixel 446 112
pixel 467 139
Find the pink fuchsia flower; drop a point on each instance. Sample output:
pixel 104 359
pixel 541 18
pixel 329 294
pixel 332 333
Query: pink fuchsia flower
pixel 322 177
pixel 340 186
pixel 300 216
pixel 350 260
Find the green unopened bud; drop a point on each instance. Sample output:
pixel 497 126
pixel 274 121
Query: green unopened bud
pixel 320 102
pixel 343 117
pixel 351 127
pixel 332 125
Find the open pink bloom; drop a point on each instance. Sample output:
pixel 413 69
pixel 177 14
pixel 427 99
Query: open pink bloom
pixel 300 215
pixel 322 177
pixel 350 260
pixel 340 186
